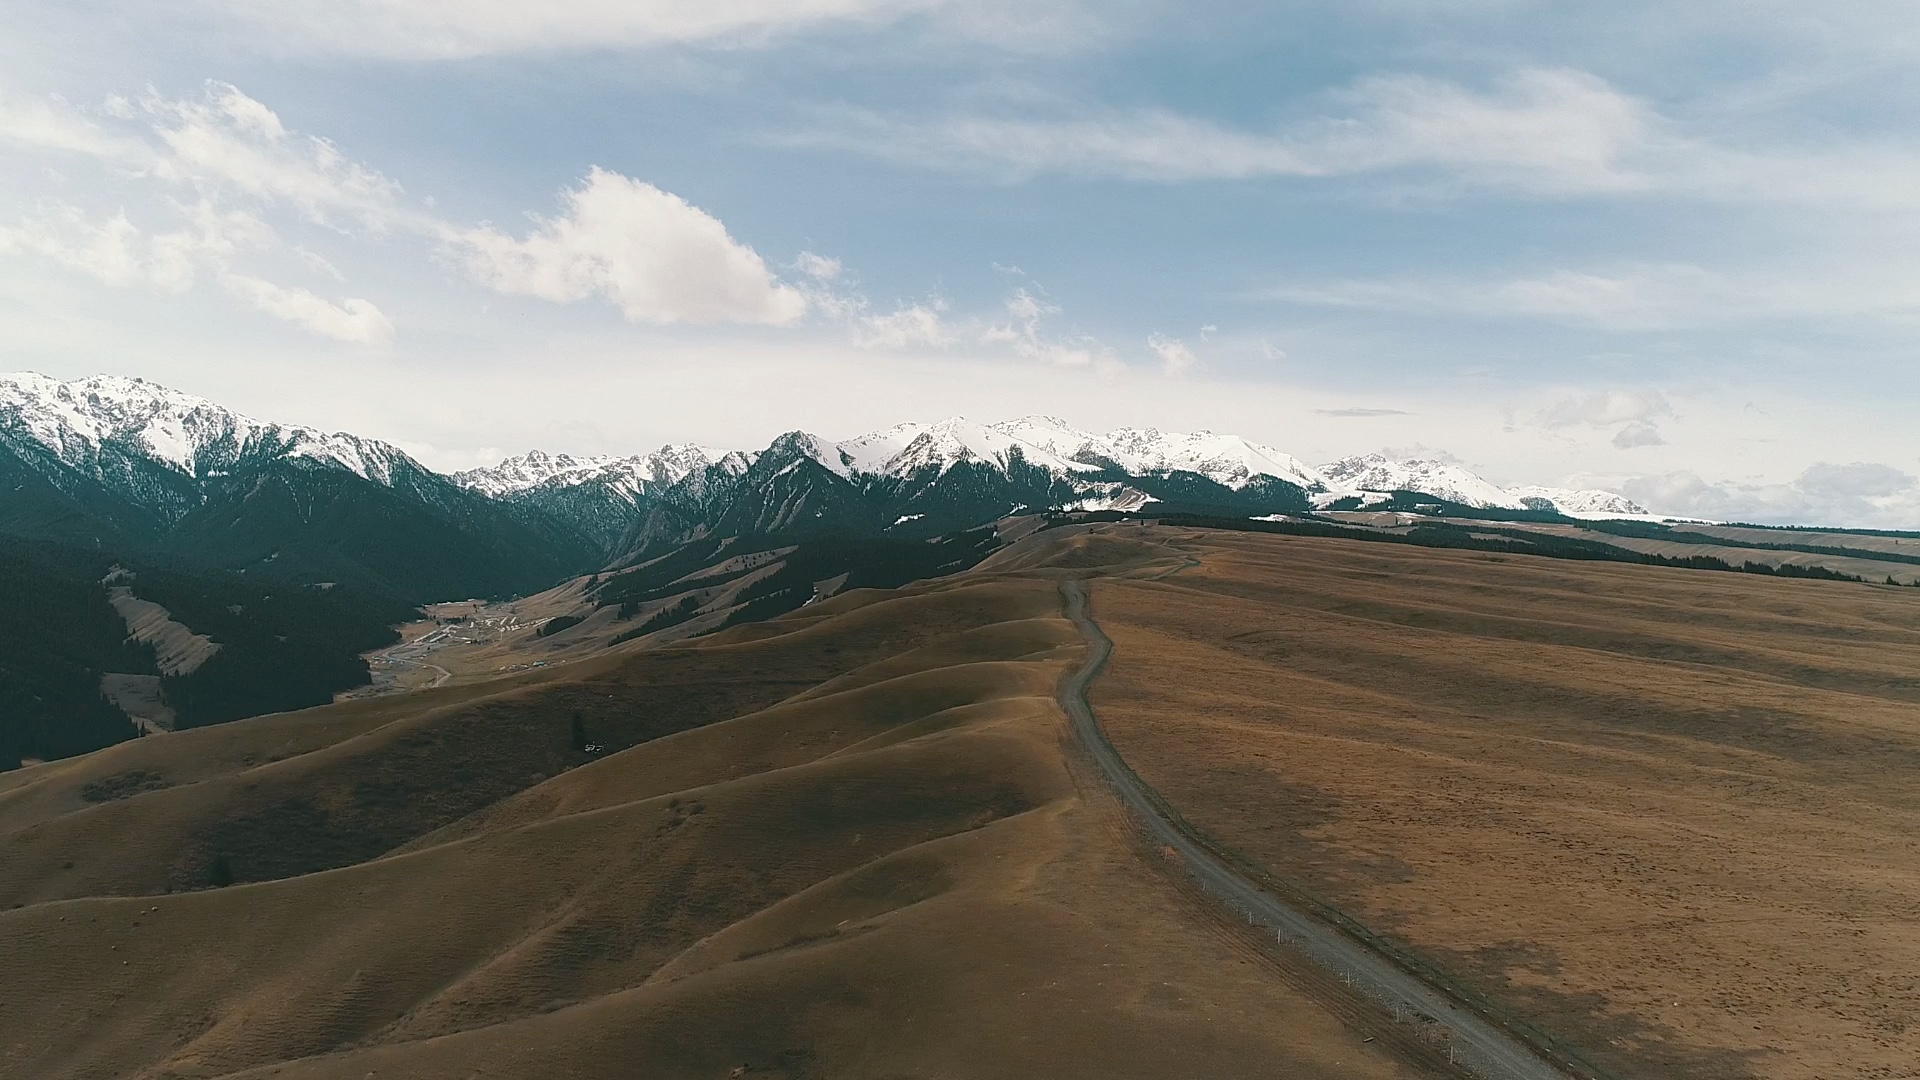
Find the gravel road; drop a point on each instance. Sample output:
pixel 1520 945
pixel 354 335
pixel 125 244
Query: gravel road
pixel 1475 1042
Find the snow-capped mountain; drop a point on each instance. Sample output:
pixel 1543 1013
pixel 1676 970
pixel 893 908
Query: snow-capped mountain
pixel 1377 473
pixel 629 476
pixel 933 477
pixel 97 425
pixel 1374 472
pixel 1577 500
pixel 121 464
pixel 907 449
pixel 1061 449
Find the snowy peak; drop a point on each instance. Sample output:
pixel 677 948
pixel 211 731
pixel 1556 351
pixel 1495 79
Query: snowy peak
pixel 908 449
pixel 157 444
pixel 81 420
pixel 1225 459
pixel 1056 437
pixel 627 476
pixel 786 450
pixel 1374 472
pixel 1576 501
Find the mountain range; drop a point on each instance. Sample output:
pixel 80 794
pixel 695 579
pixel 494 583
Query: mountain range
pixel 125 466
pixel 286 552
pixel 956 473
pixel 121 464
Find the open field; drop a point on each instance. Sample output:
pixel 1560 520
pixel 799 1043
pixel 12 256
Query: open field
pixel 1670 817
pixel 852 842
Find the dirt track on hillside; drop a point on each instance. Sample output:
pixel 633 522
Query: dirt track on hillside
pixel 1666 816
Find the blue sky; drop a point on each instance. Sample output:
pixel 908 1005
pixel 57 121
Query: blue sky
pixel 1662 247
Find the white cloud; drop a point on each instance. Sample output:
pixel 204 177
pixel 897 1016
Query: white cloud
pixel 914 324
pixel 318 262
pixel 1640 297
pixel 660 259
pixel 442 29
pixel 352 320
pixel 114 251
pixel 1548 130
pixel 117 252
pixel 229 141
pixel 652 253
pixel 818 267
pixel 53 124
pixel 1604 408
pixel 1638 434
pixel 1026 314
pixel 1176 357
pixel 1867 494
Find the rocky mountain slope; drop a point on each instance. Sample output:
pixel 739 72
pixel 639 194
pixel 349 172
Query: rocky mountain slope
pixel 119 464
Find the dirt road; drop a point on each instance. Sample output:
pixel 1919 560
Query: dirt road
pixel 1473 1040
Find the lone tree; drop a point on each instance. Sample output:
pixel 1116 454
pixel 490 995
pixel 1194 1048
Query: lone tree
pixel 220 874
pixel 579 732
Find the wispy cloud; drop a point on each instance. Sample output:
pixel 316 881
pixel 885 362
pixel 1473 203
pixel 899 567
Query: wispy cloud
pixel 1176 356
pixel 1552 130
pixel 353 320
pixel 1025 332
pixel 919 324
pixel 1542 132
pixel 1604 408
pixel 651 253
pixel 1637 297
pixel 1358 412
pixel 1857 493
pixel 408 29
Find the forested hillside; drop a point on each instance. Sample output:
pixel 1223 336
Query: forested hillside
pixel 282 645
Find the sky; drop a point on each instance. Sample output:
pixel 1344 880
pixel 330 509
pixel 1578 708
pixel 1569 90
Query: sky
pixel 1665 247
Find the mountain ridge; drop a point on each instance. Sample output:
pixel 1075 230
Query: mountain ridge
pixel 120 464
pixel 116 461
pixel 1232 461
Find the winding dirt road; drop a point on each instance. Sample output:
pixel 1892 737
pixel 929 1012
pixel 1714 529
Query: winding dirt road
pixel 1473 1040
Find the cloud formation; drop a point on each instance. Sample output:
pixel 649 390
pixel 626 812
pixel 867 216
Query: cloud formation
pixel 1638 434
pixel 353 320
pixel 1603 408
pixel 1538 131
pixel 656 256
pixel 1176 356
pixel 1027 313
pixel 919 324
pixel 1862 494
pixel 651 253
pixel 451 29
pixel 1644 297
pixel 1550 130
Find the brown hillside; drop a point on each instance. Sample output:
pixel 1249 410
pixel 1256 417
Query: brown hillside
pixel 1669 816
pixel 854 842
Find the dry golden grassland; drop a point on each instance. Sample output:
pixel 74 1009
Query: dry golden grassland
pixel 1671 817
pixel 853 842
